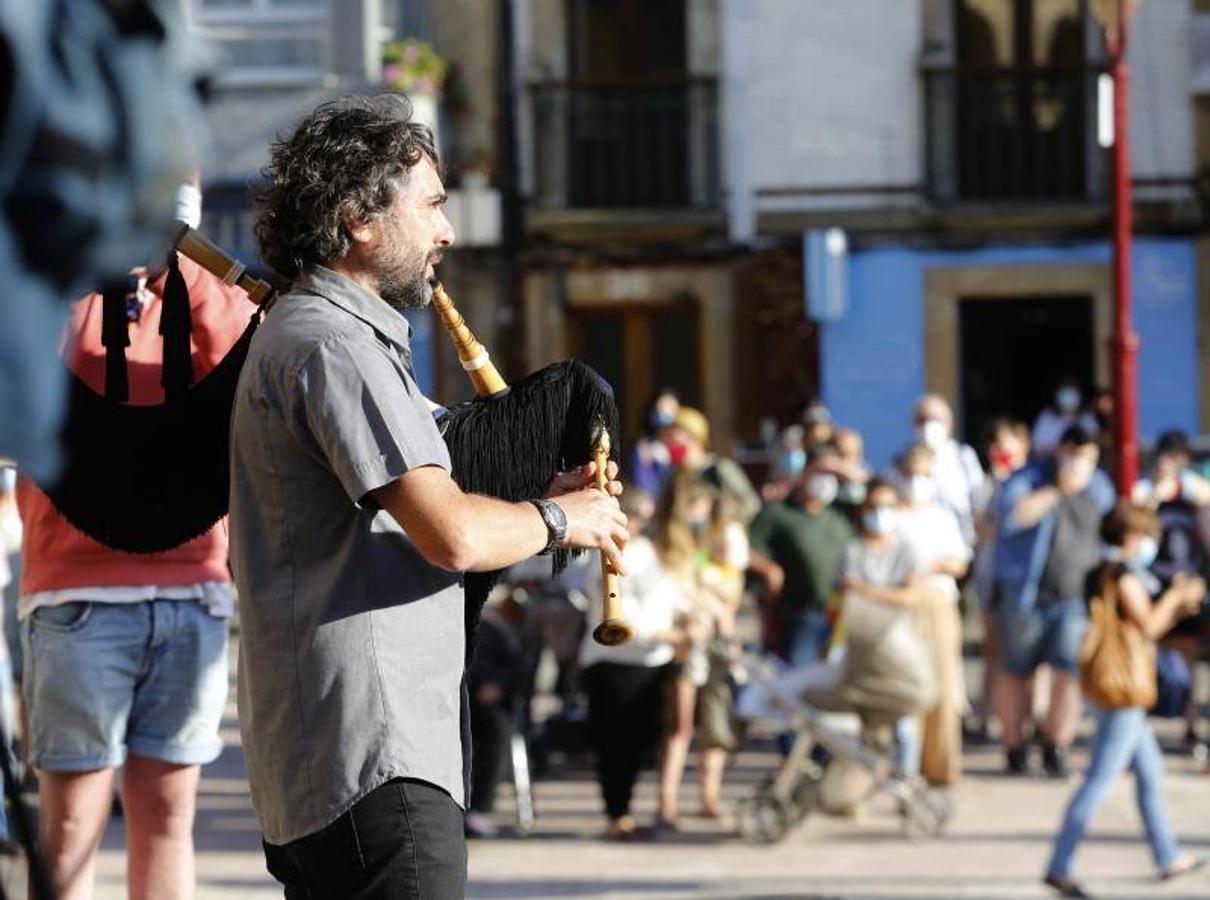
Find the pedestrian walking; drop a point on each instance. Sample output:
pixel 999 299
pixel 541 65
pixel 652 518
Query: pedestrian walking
pixel 1124 739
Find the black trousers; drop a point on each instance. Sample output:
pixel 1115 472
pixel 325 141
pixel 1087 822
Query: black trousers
pixel 491 736
pixel 625 719
pixel 402 840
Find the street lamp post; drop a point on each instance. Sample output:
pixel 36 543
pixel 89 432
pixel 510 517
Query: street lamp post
pixel 1114 16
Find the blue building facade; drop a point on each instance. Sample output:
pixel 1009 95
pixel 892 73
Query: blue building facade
pixel 873 352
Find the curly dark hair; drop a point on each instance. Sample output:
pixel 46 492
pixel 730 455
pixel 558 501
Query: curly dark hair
pixel 344 162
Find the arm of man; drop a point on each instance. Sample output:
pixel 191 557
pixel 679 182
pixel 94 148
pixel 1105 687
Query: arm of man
pixel 1031 509
pixel 470 532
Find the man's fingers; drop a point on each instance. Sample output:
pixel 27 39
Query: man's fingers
pixel 611 470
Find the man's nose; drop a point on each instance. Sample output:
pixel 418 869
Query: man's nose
pixel 445 231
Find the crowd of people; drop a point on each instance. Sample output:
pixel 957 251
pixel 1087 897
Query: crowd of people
pixel 1011 534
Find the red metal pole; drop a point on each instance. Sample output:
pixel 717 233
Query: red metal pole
pixel 1125 341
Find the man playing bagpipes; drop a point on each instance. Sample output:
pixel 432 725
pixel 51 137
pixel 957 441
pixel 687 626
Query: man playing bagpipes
pixel 350 539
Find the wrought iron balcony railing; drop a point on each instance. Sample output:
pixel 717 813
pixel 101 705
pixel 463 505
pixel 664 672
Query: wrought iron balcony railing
pixel 1013 134
pixel 649 143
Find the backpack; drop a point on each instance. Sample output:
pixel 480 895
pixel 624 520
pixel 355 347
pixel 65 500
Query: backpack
pixel 1117 661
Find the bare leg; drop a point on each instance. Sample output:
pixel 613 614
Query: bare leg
pixel 676 745
pixel 159 799
pixel 1063 717
pixel 1013 703
pixel 991 668
pixel 712 761
pixel 74 810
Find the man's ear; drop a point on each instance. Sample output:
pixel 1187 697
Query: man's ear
pixel 360 230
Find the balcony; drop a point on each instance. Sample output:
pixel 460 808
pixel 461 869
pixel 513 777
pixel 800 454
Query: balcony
pixel 1013 135
pixel 648 144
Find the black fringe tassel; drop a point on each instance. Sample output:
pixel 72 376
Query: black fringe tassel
pixel 115 338
pixel 511 447
pixel 176 373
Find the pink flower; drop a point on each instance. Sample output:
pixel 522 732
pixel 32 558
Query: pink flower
pixel 392 72
pixel 425 85
pixel 411 53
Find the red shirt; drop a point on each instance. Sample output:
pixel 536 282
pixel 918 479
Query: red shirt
pixel 55 554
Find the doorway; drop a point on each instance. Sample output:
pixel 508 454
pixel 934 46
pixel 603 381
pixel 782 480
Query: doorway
pixel 1014 351
pixel 640 349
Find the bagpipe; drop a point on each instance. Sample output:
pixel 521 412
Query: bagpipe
pixel 145 479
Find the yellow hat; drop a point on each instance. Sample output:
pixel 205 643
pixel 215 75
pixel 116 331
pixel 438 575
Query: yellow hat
pixel 695 423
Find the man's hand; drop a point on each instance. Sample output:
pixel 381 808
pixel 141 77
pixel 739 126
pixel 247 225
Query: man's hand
pixel 489 694
pixel 585 476
pixel 595 522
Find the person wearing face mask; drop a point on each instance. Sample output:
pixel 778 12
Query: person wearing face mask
pixel 1066 410
pixel 956 470
pixel 1180 498
pixel 796 548
pixel 1007 452
pixel 688 441
pixel 1049 520
pixel 650 460
pixel 931 530
pixel 1124 739
pixel 880 569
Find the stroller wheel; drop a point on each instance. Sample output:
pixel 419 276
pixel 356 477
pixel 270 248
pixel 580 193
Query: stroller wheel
pixel 804 798
pixel 764 818
pixel 925 812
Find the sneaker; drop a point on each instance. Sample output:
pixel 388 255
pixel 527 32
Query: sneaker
pixel 1054 761
pixel 1185 866
pixel 1016 760
pixel 1065 886
pixel 479 825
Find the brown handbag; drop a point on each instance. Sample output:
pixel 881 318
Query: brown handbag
pixel 1117 661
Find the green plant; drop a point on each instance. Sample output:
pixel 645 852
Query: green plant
pixel 413 66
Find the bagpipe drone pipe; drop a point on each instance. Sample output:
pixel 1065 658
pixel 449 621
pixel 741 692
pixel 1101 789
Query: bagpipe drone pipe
pixel 144 479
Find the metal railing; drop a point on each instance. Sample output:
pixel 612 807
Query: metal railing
pixel 1013 134
pixel 626 143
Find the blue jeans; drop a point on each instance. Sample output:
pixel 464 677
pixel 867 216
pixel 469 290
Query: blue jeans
pixel 105 678
pixel 1124 739
pixel 805 637
pixel 1050 633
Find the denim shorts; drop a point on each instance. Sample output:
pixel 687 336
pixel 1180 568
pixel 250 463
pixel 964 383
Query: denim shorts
pixel 1050 633
pixel 104 679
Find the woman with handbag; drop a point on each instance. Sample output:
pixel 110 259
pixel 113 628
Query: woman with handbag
pixel 1117 674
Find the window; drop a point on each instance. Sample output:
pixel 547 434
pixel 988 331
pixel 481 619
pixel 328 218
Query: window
pixel 266 42
pixel 1011 114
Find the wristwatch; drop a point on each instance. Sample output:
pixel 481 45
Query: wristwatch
pixel 556 523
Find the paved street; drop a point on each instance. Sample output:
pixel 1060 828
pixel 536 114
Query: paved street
pixel 995 847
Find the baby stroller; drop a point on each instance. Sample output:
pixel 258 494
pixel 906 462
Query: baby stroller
pixel 868 693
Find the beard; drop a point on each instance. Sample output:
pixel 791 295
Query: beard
pixel 403 291
pixel 401 279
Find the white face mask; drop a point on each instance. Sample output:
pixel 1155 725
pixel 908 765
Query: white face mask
pixel 1145 553
pixel 189 205
pixel 921 489
pixel 879 521
pixel 1079 466
pixel 822 488
pixel 1068 399
pixel 933 433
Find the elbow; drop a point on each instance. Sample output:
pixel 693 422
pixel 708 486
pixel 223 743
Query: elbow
pixel 452 551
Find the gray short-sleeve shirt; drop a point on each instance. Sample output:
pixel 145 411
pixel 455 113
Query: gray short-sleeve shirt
pixel 352 645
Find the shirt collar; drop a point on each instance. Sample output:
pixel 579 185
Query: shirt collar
pixel 357 301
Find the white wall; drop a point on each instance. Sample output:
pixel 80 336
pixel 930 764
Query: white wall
pixel 819 93
pixel 1160 58
pixel 824 93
